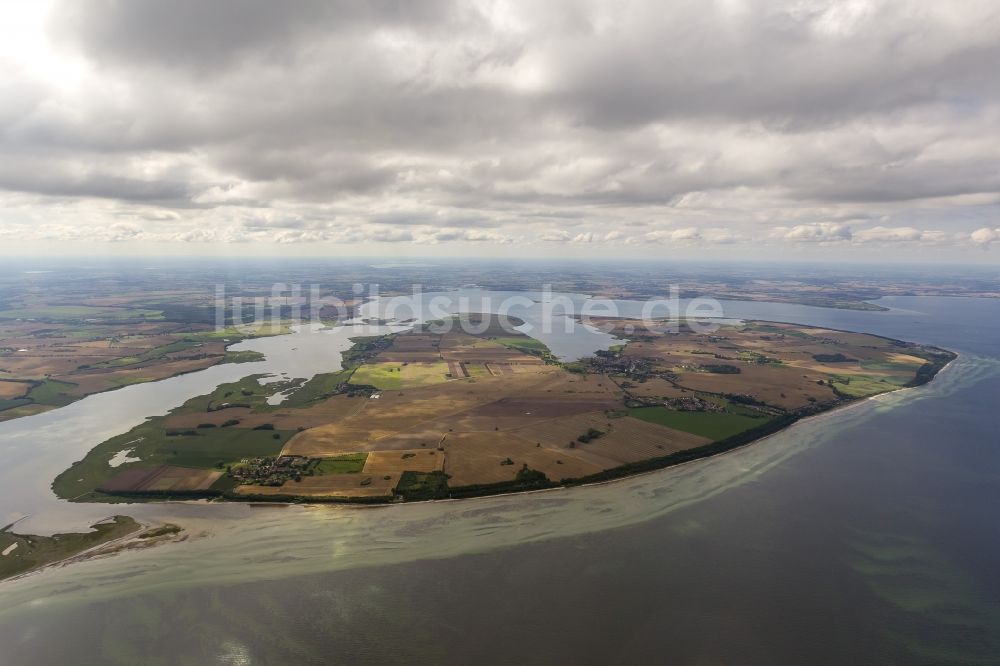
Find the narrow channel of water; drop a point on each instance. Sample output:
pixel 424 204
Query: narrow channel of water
pixel 37 448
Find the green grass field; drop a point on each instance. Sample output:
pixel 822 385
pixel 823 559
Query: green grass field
pixel 319 387
pixel 350 463
pixel 714 425
pixel 242 357
pixel 891 366
pixel 524 343
pixel 246 391
pixel 861 386
pixel 477 370
pixel 395 376
pixel 422 485
pixel 234 334
pixel 208 448
pixel 51 392
pixel 10 403
pixel 212 446
pixel 149 355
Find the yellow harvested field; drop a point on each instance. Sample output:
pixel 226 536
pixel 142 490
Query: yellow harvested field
pixel 905 359
pixel 9 390
pixel 473 458
pixel 427 436
pixel 396 462
pixel 625 439
pixel 787 387
pixel 396 412
pixel 329 485
pixel 489 355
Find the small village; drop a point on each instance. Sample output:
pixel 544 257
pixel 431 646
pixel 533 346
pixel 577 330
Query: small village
pixel 269 471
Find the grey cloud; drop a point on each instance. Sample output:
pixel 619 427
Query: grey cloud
pixel 776 62
pixel 414 218
pixel 408 120
pixel 97 185
pixel 206 36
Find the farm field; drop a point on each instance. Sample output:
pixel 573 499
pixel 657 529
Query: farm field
pixel 10 390
pixel 54 354
pixel 77 312
pixel 421 415
pixel 350 463
pixel 713 425
pixel 391 375
pixel 153 445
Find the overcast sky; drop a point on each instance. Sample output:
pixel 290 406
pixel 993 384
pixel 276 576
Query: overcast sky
pixel 726 129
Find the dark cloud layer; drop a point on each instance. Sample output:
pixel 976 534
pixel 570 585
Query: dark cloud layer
pixel 208 36
pixel 514 121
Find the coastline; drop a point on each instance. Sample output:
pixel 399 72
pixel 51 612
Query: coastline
pixel 624 472
pixel 560 487
pixel 935 359
pixel 141 537
pixel 130 541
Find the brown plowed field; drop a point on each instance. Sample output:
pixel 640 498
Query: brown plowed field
pixel 161 478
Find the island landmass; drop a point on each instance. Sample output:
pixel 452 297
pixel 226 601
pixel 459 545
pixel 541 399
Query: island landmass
pixel 423 415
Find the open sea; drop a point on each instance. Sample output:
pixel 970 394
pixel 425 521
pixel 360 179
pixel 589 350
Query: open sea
pixel 867 535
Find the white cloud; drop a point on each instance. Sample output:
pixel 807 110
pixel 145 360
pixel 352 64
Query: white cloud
pixel 985 236
pixel 555 236
pixel 816 232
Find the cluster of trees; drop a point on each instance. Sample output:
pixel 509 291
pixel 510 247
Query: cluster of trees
pixel 721 368
pixel 526 479
pixel 926 372
pixel 833 358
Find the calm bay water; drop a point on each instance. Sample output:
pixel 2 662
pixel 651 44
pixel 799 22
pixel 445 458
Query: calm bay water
pixel 36 449
pixel 865 535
